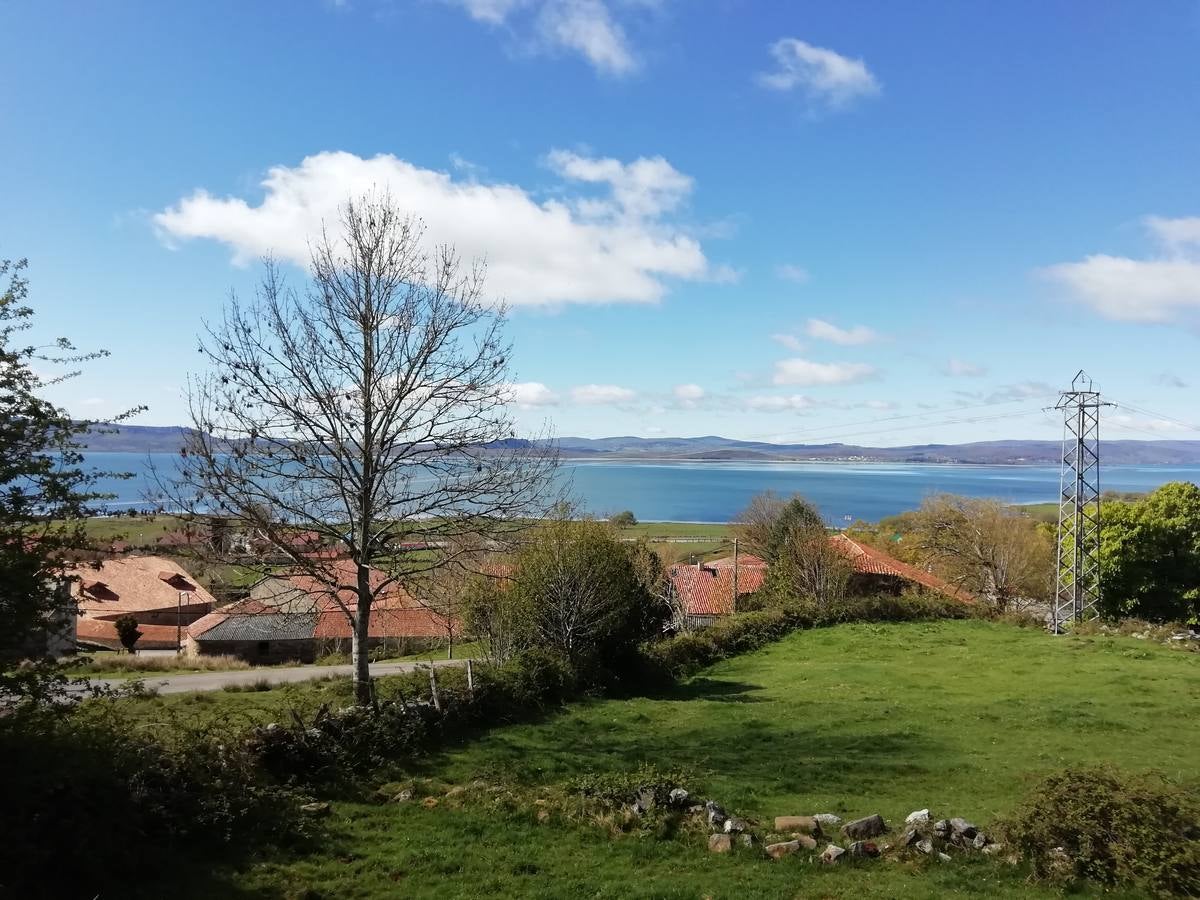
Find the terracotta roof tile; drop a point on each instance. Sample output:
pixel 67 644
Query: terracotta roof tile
pixel 134 584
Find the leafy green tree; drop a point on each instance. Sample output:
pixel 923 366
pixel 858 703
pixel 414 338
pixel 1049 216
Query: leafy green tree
pixel 46 488
pixel 623 519
pixel 1150 555
pixel 127 631
pixel 770 523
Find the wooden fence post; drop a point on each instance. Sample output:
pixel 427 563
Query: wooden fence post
pixel 470 678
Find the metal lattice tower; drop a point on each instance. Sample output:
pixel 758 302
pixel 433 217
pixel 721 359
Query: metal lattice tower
pixel 1078 581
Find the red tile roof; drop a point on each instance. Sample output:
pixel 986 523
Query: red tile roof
pixel 384 623
pixel 869 561
pixel 135 584
pixel 708 590
pixel 103 632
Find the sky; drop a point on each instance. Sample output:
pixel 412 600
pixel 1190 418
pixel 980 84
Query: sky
pixel 808 222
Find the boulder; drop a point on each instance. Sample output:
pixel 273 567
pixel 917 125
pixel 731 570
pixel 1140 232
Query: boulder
pixel 943 857
pixel 807 841
pixel 782 849
pixel 734 825
pixel 863 848
pixel 963 830
pixel 678 797
pixel 941 828
pixel 720 843
pixel 925 846
pixel 919 817
pixel 868 827
pixel 805 824
pixel 831 854
pixel 643 803
pixel 402 797
pixel 715 814
pixel 317 810
pixel 992 849
pixel 828 820
pixel 981 841
pixel 747 839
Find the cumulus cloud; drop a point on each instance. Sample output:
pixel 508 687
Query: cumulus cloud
pixel 789 272
pixel 790 341
pixel 689 395
pixel 771 403
pixel 805 372
pixel 957 368
pixel 618 247
pixel 1165 288
pixel 826 331
pixel 601 394
pixel 1146 423
pixel 584 27
pixel 824 76
pixel 529 394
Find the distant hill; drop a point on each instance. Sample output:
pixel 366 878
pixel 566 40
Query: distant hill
pixel 168 439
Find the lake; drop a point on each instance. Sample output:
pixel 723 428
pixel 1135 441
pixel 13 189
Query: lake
pixel 666 491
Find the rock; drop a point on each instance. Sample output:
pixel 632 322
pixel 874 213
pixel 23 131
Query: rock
pixel 808 842
pixel 429 802
pixel 317 810
pixel 828 820
pixel 455 791
pixel 909 838
pixel 643 803
pixel 715 814
pixel 678 797
pixel 402 797
pixel 543 815
pixel 941 828
pixel 782 849
pixel 961 828
pixel 981 841
pixel 943 857
pixel 992 849
pixel 925 846
pixel 734 825
pixel 805 824
pixel 863 848
pixel 747 839
pixel 868 827
pixel 831 854
pixel 720 843
pixel 920 817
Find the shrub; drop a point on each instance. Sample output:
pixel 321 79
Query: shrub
pixel 129 796
pixel 621 788
pixel 1112 828
pixel 623 519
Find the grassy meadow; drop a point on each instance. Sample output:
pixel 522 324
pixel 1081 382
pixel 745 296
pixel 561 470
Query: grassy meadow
pixel 960 717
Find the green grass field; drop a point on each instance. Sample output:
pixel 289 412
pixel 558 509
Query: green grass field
pixel 957 716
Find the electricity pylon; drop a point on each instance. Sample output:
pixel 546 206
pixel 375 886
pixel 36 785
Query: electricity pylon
pixel 1078 578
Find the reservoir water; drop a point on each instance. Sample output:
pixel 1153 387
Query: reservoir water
pixel 718 491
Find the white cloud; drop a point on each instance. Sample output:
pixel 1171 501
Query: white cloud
pixel 881 405
pixel 1161 289
pixel 617 248
pixel 689 394
pixel 1144 423
pixel 769 403
pixel 1176 234
pixel 790 341
pixel 529 394
pixel 958 368
pixel 824 76
pixel 789 272
pixel 585 27
pixel 825 331
pixel 601 394
pixel 805 372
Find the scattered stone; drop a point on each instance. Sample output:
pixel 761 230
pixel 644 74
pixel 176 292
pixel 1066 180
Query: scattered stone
pixel 868 827
pixel 941 828
pixel 720 843
pixel 981 841
pixel 943 857
pixel 920 817
pixel 479 784
pixel 925 846
pixel 429 802
pixel 643 803
pixel 963 829
pixel 992 849
pixel 783 848
pixel 678 797
pixel 863 848
pixel 456 790
pixel 747 839
pixel 402 797
pixel 715 814
pixel 805 824
pixel 807 841
pixel 695 809
pixel 828 820
pixel 734 825
pixel 831 854
pixel 317 810
pixel 909 838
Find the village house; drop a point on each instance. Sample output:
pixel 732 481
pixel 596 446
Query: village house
pixel 155 590
pixel 295 617
pixel 703 592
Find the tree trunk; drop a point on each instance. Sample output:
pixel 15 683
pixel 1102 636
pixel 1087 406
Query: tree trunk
pixel 359 651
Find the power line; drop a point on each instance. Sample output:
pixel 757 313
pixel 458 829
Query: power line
pixel 968 420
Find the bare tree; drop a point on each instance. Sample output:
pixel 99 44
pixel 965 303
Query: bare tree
pixel 989 549
pixel 810 565
pixel 367 412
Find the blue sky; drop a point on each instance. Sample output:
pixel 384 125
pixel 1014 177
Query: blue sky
pixel 873 222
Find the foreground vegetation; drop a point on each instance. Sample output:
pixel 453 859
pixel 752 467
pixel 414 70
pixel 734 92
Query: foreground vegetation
pixel 961 717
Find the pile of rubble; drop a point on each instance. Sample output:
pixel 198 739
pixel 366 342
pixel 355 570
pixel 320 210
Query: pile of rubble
pixel 859 838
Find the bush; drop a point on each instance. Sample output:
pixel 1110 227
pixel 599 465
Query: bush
pixel 621 788
pixel 81 778
pixel 623 519
pixel 1112 828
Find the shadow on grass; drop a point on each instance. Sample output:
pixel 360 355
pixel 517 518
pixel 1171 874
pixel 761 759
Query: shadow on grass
pixel 714 689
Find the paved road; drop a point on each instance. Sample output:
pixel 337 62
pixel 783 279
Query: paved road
pixel 214 681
